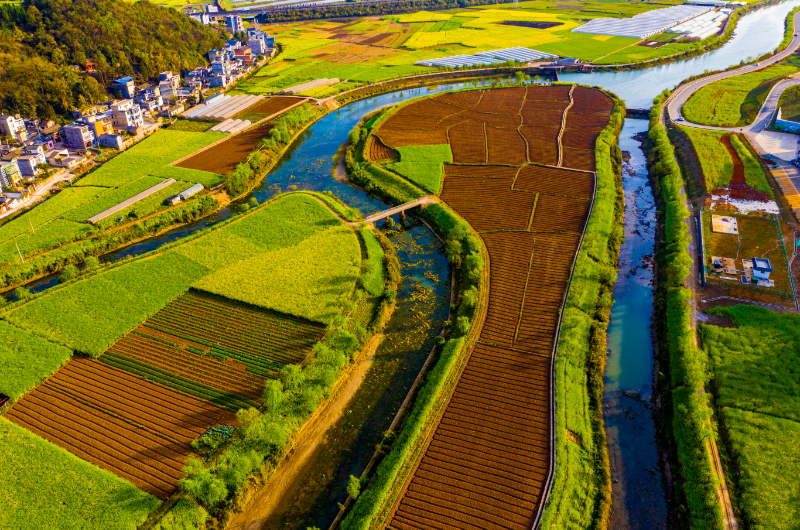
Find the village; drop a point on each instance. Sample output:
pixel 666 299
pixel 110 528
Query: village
pixel 38 156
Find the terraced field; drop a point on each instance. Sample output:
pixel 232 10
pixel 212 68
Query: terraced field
pixel 488 461
pixel 116 420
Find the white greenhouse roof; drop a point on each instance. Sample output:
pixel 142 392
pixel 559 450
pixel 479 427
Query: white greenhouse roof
pixel 643 25
pixel 490 57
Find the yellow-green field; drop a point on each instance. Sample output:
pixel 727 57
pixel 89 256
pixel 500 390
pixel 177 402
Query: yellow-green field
pixel 378 48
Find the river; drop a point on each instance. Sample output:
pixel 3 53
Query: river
pixel 638 498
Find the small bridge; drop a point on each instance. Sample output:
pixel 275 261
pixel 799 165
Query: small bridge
pixel 428 199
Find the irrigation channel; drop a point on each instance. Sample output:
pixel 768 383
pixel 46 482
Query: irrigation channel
pixel 639 500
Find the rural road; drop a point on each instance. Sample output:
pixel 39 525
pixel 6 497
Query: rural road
pixel 36 195
pixel 680 96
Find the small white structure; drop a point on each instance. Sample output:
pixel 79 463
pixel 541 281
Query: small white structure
pixel 761 268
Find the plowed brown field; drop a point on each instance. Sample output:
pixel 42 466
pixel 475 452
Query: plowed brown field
pixel 136 429
pixel 487 463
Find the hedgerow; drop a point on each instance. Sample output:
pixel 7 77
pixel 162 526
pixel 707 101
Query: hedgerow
pixel 580 496
pixel 687 364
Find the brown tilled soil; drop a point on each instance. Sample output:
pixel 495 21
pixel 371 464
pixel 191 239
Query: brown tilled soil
pixel 223 157
pixel 273 105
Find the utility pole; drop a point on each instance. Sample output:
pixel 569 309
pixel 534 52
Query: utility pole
pixel 20 253
pixel 31 223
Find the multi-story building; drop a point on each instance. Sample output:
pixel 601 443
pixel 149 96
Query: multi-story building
pixel 10 174
pixel 259 42
pixel 13 126
pixel 125 85
pixel 126 114
pixel 221 66
pixel 29 163
pixel 79 136
pixel 234 23
pixel 150 99
pixel 202 18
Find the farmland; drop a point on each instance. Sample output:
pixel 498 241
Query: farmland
pixel 754 366
pixel 178 361
pixel 82 315
pixel 59 220
pixel 379 48
pixel 530 217
pixel 138 430
pixel 734 102
pixel 34 496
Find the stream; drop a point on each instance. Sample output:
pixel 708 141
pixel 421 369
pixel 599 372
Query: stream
pixel 638 499
pixel 638 496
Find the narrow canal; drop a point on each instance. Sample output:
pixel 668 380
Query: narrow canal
pixel 638 500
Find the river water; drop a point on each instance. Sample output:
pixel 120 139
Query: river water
pixel 638 498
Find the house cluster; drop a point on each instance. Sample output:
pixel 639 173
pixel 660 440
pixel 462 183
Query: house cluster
pixel 28 147
pixel 233 61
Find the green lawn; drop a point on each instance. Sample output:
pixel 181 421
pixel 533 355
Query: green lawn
pixel 790 104
pixel 735 101
pixel 755 369
pixel 714 157
pixel 423 165
pixel 753 170
pixel 372 269
pixel 293 255
pixel 44 486
pixel 26 360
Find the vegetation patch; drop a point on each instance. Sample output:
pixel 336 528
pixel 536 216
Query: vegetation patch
pixel 735 101
pixel 26 360
pixel 755 369
pixel 37 473
pixel 715 159
pixel 423 165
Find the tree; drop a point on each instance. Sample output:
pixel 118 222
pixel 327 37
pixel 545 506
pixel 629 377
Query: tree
pixel 91 262
pixel 273 395
pixel 69 272
pixel 292 377
pixel 353 487
pixel 45 169
pixel 22 293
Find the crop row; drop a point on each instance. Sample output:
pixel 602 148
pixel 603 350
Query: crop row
pixel 129 426
pixel 506 146
pixel 468 143
pixel 192 366
pixel 454 170
pixel 578 137
pixel 465 100
pixel 582 159
pixel 401 138
pixel 226 400
pixel 555 181
pixel 377 150
pixel 591 101
pixel 562 214
pixel 505 101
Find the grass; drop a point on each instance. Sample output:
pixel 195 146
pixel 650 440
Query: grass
pixel 311 279
pixel 423 165
pixel 755 368
pixel 185 515
pixel 192 125
pixel 206 178
pixel 372 270
pixel 734 102
pixel 26 360
pixel 714 157
pixel 112 198
pixel 46 236
pixel 292 255
pixel 790 104
pixel 753 170
pixel 39 488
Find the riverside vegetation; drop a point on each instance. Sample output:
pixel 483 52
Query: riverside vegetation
pixel 682 364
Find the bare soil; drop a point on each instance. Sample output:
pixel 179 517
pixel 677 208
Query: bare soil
pixel 223 157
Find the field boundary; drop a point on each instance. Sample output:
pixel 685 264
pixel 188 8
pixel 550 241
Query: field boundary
pixel 563 128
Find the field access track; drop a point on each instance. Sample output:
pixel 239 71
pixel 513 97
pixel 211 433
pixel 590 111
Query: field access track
pixel 487 463
pixel 136 429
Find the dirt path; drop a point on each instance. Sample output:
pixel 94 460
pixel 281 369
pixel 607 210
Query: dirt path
pixel 267 506
pixel 738 167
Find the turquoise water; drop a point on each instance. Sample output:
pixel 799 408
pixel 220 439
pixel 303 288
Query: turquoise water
pixel 638 500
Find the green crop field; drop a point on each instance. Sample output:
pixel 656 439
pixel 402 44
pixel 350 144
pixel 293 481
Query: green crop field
pixel 315 49
pixel 714 157
pixel 26 360
pixel 790 104
pixel 91 314
pixel 423 165
pixel 44 486
pixel 372 271
pixel 753 170
pixel 755 367
pixel 47 225
pixel 735 101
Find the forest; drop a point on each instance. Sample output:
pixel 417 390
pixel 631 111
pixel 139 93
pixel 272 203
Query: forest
pixel 41 40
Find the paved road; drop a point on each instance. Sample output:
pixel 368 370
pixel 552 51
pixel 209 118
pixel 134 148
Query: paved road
pixel 680 96
pixel 36 195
